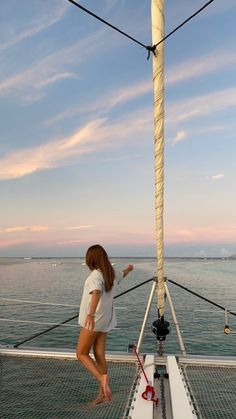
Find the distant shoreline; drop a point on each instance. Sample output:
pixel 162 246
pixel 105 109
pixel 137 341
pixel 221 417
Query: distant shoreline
pixel 233 257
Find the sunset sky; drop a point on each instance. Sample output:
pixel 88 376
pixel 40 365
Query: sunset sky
pixel 76 106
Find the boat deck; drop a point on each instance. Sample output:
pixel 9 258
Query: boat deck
pixel 213 388
pixel 44 387
pixel 43 384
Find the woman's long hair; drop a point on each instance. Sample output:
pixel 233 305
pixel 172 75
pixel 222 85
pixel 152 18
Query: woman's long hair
pixel 96 258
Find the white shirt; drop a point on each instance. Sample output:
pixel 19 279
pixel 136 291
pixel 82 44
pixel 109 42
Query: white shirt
pixel 105 315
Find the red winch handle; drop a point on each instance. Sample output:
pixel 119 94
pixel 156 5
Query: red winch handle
pixel 140 364
pixel 149 394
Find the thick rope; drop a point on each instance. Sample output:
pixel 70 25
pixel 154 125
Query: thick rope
pixel 158 91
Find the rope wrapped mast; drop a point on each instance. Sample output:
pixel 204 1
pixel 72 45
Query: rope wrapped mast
pixel 160 327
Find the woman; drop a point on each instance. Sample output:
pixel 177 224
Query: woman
pixel 97 316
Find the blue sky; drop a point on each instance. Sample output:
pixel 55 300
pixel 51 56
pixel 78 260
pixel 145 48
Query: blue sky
pixel 77 155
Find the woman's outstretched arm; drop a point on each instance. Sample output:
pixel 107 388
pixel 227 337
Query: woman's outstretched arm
pixel 127 270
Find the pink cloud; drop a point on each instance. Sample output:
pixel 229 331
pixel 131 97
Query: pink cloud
pixel 11 243
pixel 211 234
pixel 19 229
pixel 78 227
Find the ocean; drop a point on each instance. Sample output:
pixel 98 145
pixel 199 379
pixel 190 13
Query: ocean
pixel 36 293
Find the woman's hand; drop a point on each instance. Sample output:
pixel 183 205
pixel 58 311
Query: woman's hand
pixel 89 322
pixel 130 267
pixel 127 270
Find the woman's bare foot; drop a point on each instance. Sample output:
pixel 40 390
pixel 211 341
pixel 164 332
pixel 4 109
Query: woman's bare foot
pixel 105 386
pixel 99 399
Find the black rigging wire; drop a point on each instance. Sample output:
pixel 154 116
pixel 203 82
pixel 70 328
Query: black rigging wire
pixel 106 23
pixel 201 297
pixel 74 317
pixel 149 48
pixel 119 295
pixel 183 23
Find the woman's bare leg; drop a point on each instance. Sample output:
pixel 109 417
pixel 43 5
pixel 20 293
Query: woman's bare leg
pixel 99 347
pixel 85 342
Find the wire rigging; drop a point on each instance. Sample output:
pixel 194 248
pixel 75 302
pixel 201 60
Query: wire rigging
pixel 106 23
pixel 201 297
pixel 119 295
pixel 74 317
pixel 149 48
pixel 183 23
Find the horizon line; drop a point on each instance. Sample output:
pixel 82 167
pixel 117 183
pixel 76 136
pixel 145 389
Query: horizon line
pixel 118 257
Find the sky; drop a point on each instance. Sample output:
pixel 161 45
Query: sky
pixel 76 129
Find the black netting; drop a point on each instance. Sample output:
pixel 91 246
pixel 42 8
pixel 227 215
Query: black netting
pixel 48 388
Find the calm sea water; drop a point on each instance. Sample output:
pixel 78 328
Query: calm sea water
pixel 53 289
